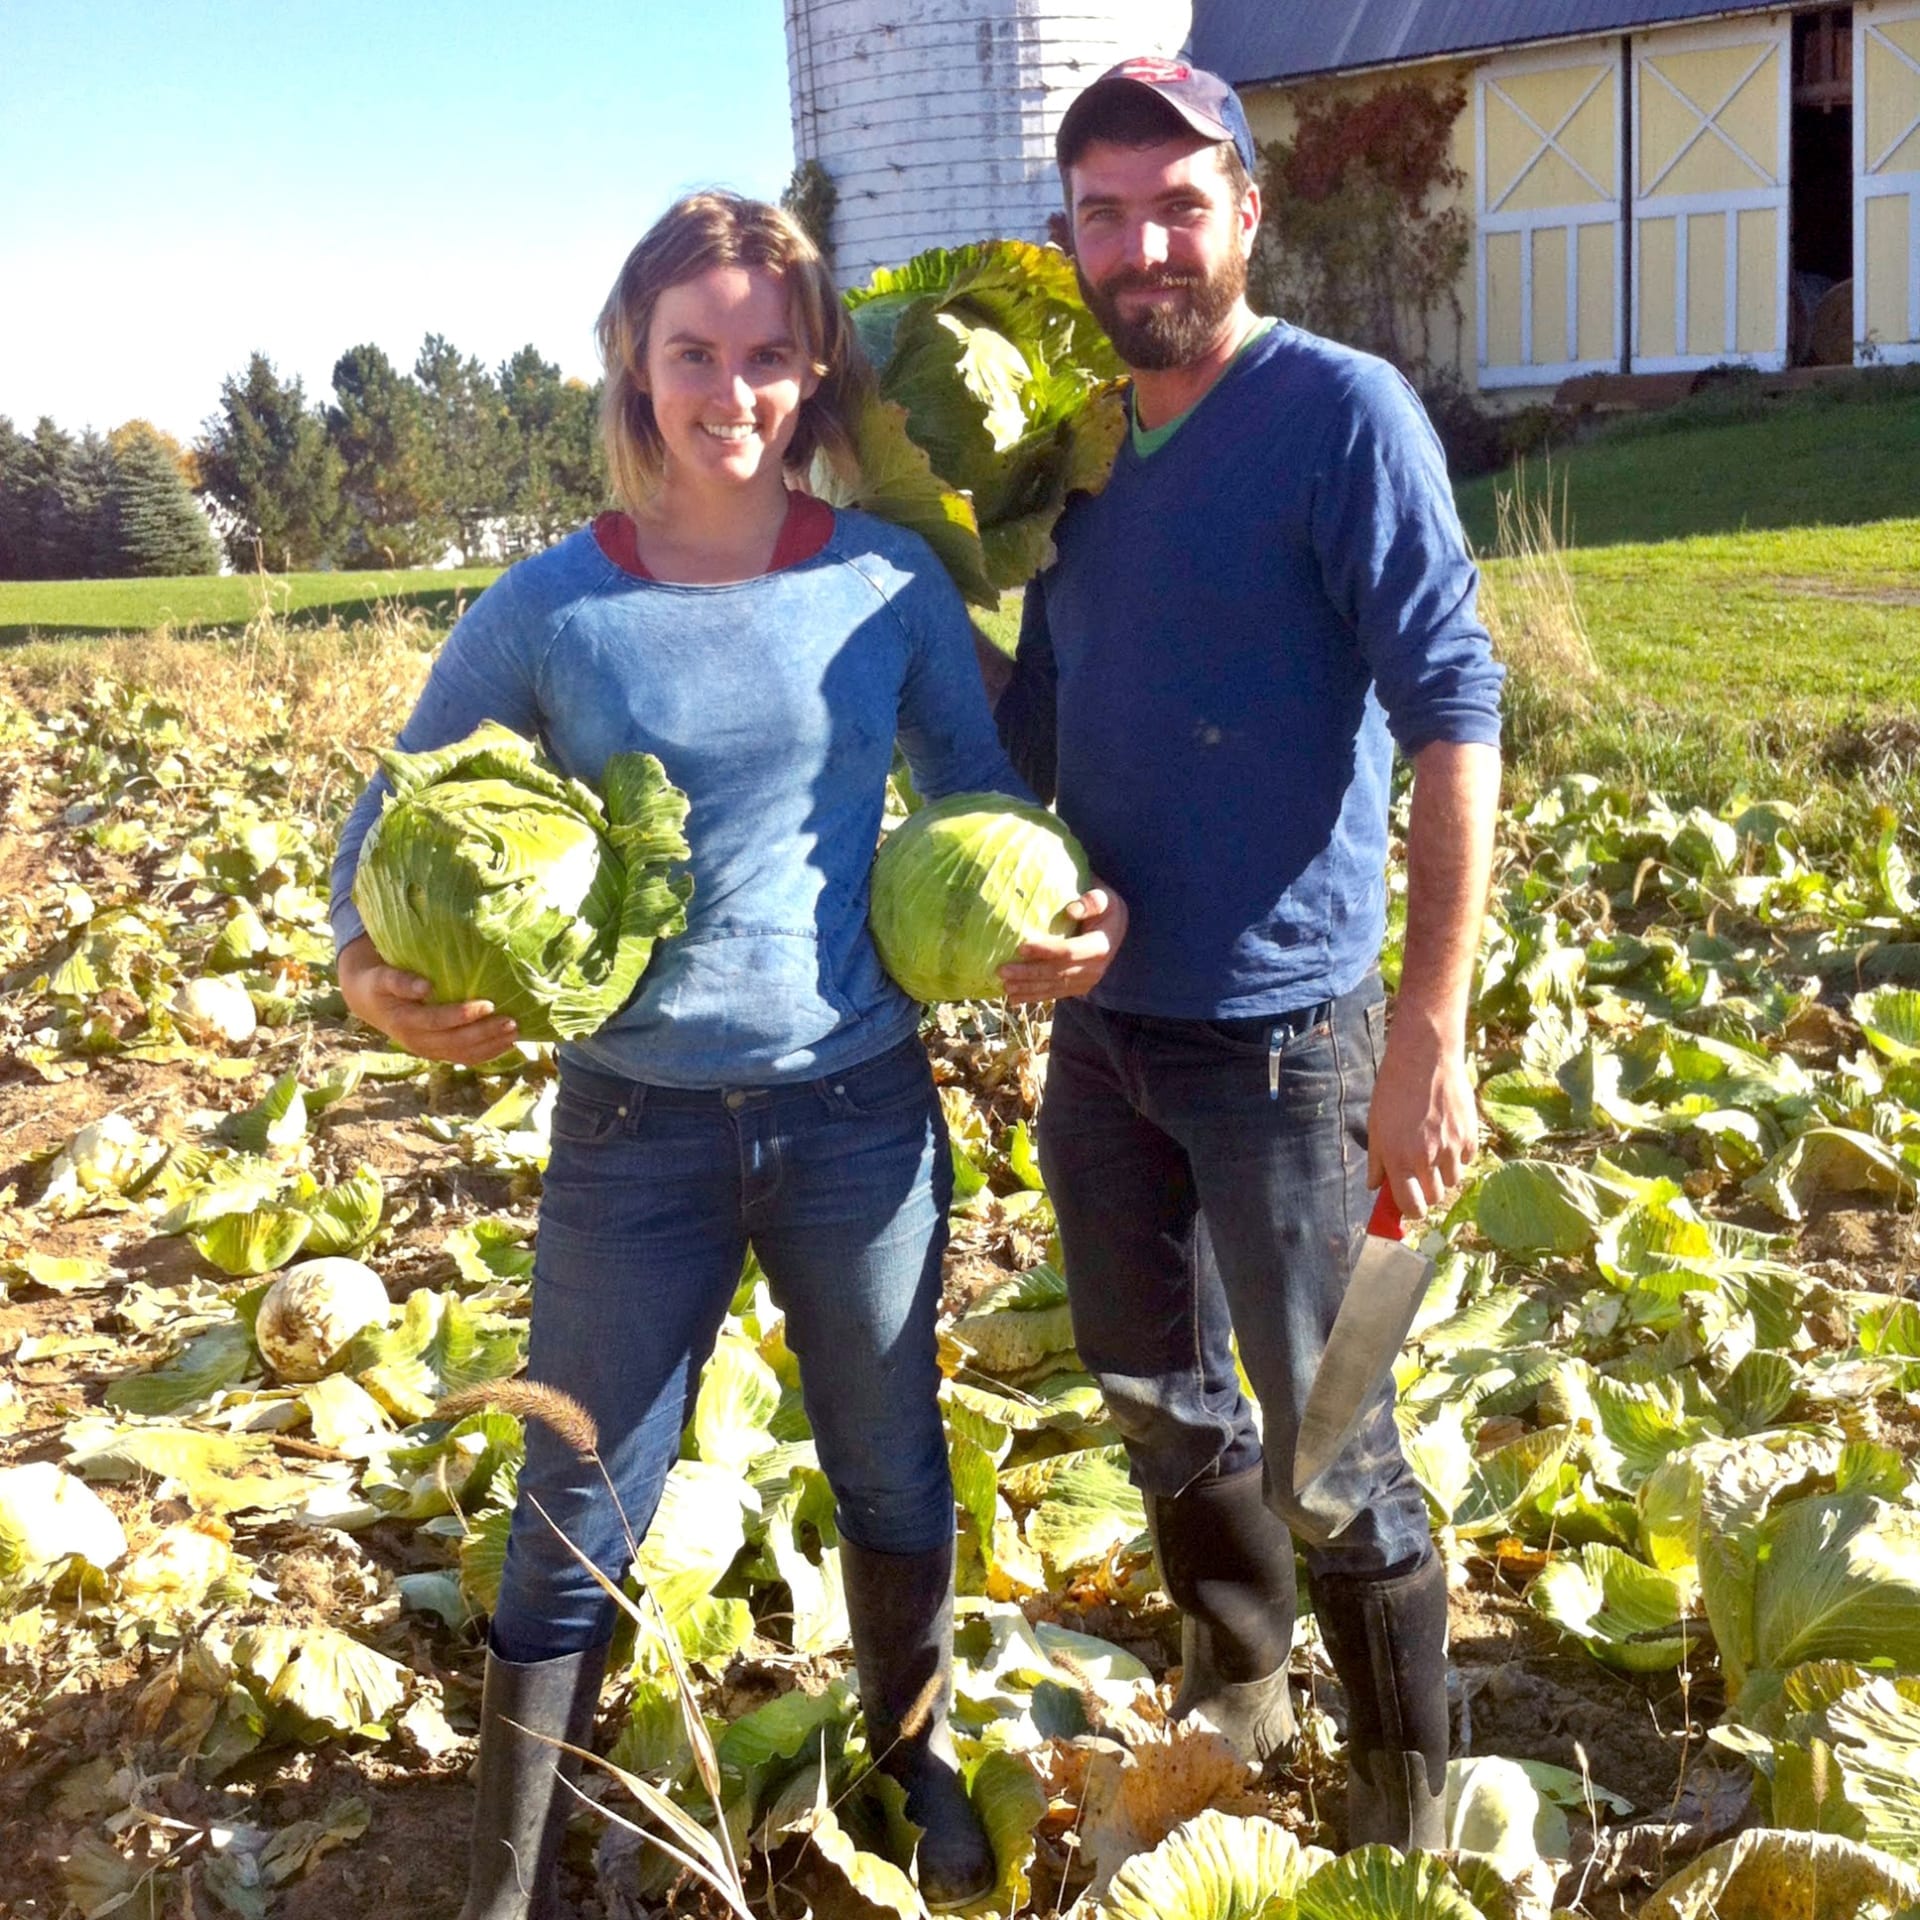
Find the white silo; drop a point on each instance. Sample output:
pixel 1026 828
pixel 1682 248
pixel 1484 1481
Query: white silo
pixel 935 118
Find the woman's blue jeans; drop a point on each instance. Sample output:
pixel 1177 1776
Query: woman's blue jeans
pixel 1210 1181
pixel 652 1198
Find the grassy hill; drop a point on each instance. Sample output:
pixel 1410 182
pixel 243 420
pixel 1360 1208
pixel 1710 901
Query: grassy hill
pixel 1729 461
pixel 74 608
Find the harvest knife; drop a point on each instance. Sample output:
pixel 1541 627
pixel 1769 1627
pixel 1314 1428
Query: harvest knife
pixel 1388 1282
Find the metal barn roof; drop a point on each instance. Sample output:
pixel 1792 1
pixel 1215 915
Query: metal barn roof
pixel 1251 41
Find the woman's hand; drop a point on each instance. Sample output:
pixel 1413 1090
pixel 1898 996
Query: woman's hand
pixel 1057 966
pixel 467 1033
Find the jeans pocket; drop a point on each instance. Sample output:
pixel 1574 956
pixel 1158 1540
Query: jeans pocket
pixel 590 1119
pixel 1263 1036
pixel 898 1078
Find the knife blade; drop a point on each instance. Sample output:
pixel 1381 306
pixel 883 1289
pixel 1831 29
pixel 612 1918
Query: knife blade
pixel 1384 1291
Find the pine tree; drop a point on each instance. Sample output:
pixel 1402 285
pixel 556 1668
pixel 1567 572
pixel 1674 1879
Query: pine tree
pixel 553 481
pixel 388 481
pixel 14 450
pixel 471 435
pixel 155 526
pixel 266 458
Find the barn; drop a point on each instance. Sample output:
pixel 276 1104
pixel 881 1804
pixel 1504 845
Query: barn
pixel 1655 186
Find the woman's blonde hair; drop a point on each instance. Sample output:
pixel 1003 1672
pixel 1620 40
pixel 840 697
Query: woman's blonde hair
pixel 720 229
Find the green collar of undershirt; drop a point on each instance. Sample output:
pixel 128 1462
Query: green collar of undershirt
pixel 1149 440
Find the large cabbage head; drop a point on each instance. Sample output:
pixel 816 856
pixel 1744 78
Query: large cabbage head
pixel 499 879
pixel 997 396
pixel 960 885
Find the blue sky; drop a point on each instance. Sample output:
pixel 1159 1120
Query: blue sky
pixel 184 181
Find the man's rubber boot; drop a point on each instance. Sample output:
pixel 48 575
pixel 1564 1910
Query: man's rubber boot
pixel 1387 1638
pixel 1226 1562
pixel 900 1607
pixel 520 1809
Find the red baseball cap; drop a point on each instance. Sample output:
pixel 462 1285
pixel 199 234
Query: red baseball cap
pixel 1202 99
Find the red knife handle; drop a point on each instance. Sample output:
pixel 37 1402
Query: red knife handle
pixel 1385 1222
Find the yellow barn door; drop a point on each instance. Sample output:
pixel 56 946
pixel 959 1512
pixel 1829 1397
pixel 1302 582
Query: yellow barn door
pixel 1547 153
pixel 1711 110
pixel 1886 180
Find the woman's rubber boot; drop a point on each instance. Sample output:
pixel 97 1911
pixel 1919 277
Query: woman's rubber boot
pixel 1387 1637
pixel 521 1807
pixel 1226 1562
pixel 900 1607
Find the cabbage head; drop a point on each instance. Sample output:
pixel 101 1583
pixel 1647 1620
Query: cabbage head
pixel 499 879
pixel 997 396
pixel 958 886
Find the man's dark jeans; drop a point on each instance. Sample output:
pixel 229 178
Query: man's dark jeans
pixel 1210 1180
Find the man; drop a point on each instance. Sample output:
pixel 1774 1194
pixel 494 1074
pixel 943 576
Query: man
pixel 1270 592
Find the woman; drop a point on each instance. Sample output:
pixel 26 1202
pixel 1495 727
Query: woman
pixel 765 1085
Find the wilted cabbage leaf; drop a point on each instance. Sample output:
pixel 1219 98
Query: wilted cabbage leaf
pixel 1371 1882
pixel 1890 1018
pixel 220 1357
pixel 249 1244
pixel 1621 1610
pixel 1826 1576
pixel 498 879
pixel 1765 1874
pixel 47 1516
pixel 345 1217
pixel 1534 1206
pixel 961 884
pixel 1496 1808
pixel 317 1680
pixel 1083 1506
pixel 1218 1866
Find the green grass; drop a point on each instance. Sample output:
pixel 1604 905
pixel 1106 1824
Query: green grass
pixel 53 609
pixel 1730 461
pixel 1822 621
pixel 1784 664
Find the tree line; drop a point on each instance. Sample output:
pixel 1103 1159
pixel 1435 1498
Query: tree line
pixel 398 469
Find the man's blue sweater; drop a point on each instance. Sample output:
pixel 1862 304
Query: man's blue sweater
pixel 1218 663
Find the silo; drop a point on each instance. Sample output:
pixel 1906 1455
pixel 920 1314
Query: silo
pixel 935 118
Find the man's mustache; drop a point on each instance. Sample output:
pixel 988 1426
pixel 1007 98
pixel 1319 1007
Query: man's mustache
pixel 1130 280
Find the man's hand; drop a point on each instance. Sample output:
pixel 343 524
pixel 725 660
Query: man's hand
pixel 1423 1127
pixel 397 1003
pixel 1056 966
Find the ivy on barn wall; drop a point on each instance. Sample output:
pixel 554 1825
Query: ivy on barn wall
pixel 1362 237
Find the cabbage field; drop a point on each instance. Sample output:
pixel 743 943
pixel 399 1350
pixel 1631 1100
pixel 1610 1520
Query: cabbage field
pixel 1663 1397
pixel 264 1292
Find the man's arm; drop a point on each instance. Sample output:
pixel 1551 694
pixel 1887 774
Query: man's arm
pixel 1423 1126
pixel 1023 702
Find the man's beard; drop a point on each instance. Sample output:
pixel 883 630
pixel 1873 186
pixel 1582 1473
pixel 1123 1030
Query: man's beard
pixel 1174 334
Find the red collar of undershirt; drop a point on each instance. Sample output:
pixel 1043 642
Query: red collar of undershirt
pixel 803 533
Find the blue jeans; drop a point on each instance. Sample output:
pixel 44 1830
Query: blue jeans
pixel 653 1195
pixel 1210 1180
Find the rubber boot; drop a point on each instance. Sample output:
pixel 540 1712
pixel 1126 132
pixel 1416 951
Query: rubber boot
pixel 900 1607
pixel 1387 1637
pixel 1226 1562
pixel 520 1809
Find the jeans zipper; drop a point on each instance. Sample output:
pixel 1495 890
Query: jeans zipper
pixel 1273 1064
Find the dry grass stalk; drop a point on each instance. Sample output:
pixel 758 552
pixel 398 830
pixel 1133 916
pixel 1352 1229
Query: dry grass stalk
pixel 531 1400
pixel 1529 604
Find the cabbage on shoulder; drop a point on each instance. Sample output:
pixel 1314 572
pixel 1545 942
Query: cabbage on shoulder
pixel 498 878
